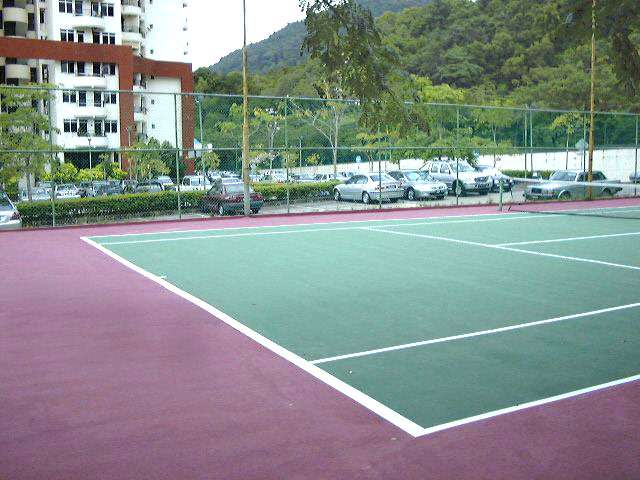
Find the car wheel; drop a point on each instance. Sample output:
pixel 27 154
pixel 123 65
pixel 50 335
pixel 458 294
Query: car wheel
pixel 411 194
pixel 565 196
pixel 366 199
pixel 483 192
pixel 458 189
pixel 336 196
pixel 607 193
pixel 221 211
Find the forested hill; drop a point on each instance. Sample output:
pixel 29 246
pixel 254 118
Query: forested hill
pixel 283 47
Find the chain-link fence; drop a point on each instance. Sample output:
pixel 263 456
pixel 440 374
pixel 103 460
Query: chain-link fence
pixel 92 155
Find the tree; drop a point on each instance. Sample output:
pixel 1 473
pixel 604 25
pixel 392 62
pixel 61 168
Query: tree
pixel 148 160
pixel 617 21
pixel 270 119
pixel 354 59
pixel 569 123
pixel 66 173
pixel 210 160
pixel 24 132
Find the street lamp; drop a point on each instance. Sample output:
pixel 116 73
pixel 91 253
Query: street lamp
pixel 90 159
pixel 204 174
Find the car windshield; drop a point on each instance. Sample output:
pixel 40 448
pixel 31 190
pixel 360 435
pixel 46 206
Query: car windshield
pixel 385 178
pixel 412 176
pixel 563 176
pixel 425 176
pixel 237 188
pixel 4 202
pixel 164 180
pixel 462 167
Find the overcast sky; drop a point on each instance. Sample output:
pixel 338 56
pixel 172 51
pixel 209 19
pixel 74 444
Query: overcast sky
pixel 215 26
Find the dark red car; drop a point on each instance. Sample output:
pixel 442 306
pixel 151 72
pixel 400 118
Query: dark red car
pixel 223 199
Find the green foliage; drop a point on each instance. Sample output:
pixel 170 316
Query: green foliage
pixel 297 191
pixel 210 160
pixel 66 173
pixel 282 49
pixel 545 174
pixel 90 174
pixel 313 159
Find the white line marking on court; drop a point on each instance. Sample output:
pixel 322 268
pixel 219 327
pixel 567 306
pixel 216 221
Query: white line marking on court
pixel 524 406
pixel 560 240
pixel 347 222
pixel 481 333
pixel 310 230
pixel 363 399
pixel 508 249
pixel 565 257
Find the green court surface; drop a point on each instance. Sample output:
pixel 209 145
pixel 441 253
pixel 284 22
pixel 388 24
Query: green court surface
pixel 428 322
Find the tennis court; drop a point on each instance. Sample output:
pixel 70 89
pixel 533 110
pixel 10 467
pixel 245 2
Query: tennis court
pixel 430 323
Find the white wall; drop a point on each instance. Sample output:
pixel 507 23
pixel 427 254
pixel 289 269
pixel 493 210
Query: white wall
pixel 160 122
pixel 166 38
pixel 617 164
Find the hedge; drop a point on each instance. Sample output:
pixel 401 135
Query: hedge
pixel 138 205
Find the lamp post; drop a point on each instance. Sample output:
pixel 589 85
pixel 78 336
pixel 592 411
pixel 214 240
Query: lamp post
pixel 204 172
pixel 90 158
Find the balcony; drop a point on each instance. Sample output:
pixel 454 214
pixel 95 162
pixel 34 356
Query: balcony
pixel 132 37
pixel 90 81
pixel 131 9
pixel 72 140
pixel 18 71
pixel 139 113
pixel 91 111
pixel 15 14
pixel 93 22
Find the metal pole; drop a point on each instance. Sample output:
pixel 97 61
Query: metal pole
pixel 53 189
pixel 526 133
pixel 90 159
pixel 287 153
pixel 531 139
pixel 457 159
pixel 175 115
pixel 584 136
pixel 245 114
pixel 635 170
pixel 593 94
pixel 300 140
pixel 379 176
pixel 204 173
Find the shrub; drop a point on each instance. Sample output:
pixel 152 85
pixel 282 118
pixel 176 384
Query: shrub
pixel 522 174
pixel 297 191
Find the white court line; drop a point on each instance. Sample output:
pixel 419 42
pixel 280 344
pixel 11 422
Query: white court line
pixel 311 230
pixel 480 333
pixel 508 249
pixel 524 406
pixel 252 227
pixel 560 240
pixel 363 399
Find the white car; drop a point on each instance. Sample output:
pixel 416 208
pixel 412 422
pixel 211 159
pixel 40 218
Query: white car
pixel 496 176
pixel 9 216
pixel 368 187
pixel 38 194
pixel 460 177
pixel 192 183
pixel 67 191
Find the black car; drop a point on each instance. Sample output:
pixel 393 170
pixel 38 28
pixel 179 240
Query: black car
pixel 148 187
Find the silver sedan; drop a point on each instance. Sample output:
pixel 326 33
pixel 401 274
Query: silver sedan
pixel 9 215
pixel 368 187
pixel 419 184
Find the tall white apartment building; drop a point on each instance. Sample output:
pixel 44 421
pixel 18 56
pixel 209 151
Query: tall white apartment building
pixel 93 51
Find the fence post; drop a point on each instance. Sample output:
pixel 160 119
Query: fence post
pixel 526 140
pixel 53 189
pixel 635 169
pixel 175 115
pixel 286 146
pixel 531 137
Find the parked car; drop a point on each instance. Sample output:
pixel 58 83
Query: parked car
pixel 328 177
pixel 465 180
pixel 192 183
pixel 304 178
pixel 566 185
pixel 108 189
pixel 129 186
pixel 367 187
pixel 149 187
pixel 166 182
pixel 496 176
pixel 276 177
pixel 224 198
pixel 9 216
pixel 67 191
pixel 634 177
pixel 38 194
pixel 419 184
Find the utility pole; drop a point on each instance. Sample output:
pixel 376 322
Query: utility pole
pixel 204 173
pixel 593 93
pixel 245 115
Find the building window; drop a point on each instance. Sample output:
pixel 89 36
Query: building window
pixel 107 38
pixel 69 96
pixel 82 98
pixel 80 37
pixel 67 35
pixel 81 70
pixel 98 128
pixel 111 126
pixel 106 9
pixel 42 15
pixel 83 127
pixel 65 6
pixel 70 126
pixel 68 67
pixel 97 70
pixel 97 99
pixel 31 22
pixel 79 8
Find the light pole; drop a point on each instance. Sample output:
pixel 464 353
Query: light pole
pixel 90 159
pixel 129 127
pixel 245 115
pixel 204 173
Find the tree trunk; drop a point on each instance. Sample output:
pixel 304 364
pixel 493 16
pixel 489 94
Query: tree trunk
pixel 566 161
pixel 495 143
pixel 336 131
pixel 28 169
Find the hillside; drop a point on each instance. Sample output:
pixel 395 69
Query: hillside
pixel 282 49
